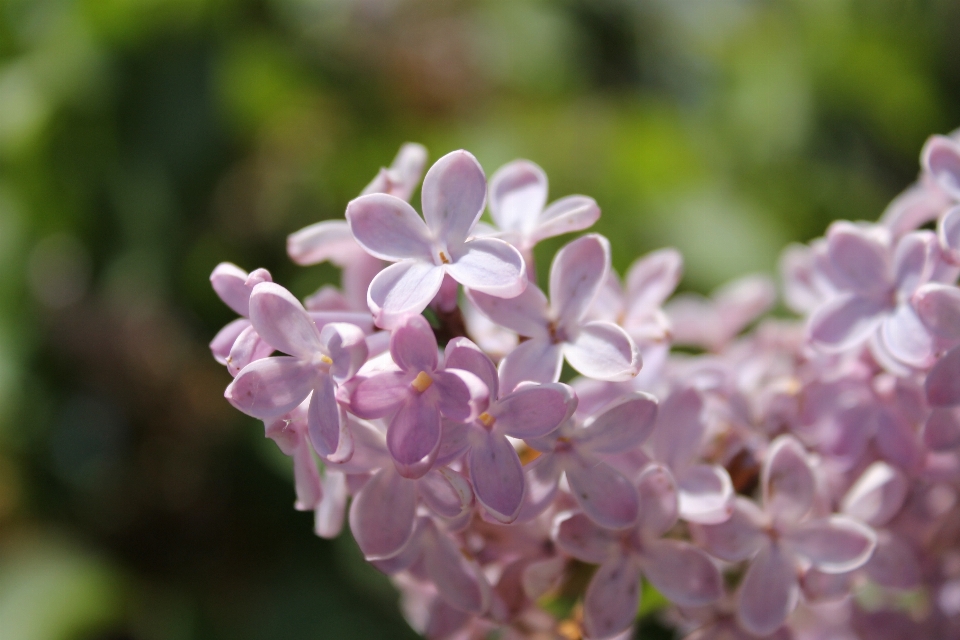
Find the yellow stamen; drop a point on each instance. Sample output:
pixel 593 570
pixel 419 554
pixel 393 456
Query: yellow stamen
pixel 443 258
pixel 486 419
pixel 325 359
pixel 422 382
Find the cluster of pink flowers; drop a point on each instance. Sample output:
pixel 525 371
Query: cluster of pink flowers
pixel 797 481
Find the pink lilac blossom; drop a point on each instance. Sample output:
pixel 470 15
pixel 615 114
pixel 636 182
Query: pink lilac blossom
pixel 795 480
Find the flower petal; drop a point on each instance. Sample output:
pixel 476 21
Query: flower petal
pixel 526 314
pixel 403 176
pixel 941 159
pixel 877 495
pixel 681 572
pixel 388 228
pixel 459 581
pixel 658 500
pixel 306 478
pixel 948 232
pixel 893 563
pixel 860 257
pixel 769 591
pixel 566 215
pixel 403 289
pixel 413 437
pixel 845 322
pixel 578 536
pixel 497 476
pixel 445 492
pixel 576 275
pixel 603 351
pixel 906 338
pixel 706 494
pixel 379 395
pixel 230 283
pixel 247 347
pixel 271 387
pixel 282 321
pixel 652 278
pixel 942 430
pixel 679 428
pixel 739 537
pixel 223 342
pixel 346 345
pixel 460 395
pixel 453 195
pixel 382 514
pixel 620 426
pixel 938 306
pixel 533 411
pixel 461 353
pixel 518 192
pixel 836 544
pixel 327 422
pixel 612 598
pixel 542 478
pixel 603 493
pixel 943 381
pixel 535 360
pixel 489 265
pixel 413 346
pixel 787 480
pixel 330 511
pixel 330 240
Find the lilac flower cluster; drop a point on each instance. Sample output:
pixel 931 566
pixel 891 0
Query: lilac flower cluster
pixel 797 481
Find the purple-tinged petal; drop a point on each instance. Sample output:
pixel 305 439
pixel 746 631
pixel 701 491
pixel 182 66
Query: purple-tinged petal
pixel 403 289
pixel 652 278
pixel 787 480
pixel 943 381
pixel 327 423
pixel 681 572
pixel 942 430
pixel 230 283
pixel 877 495
pixel 938 306
pixel 459 581
pixel 578 536
pixel 541 576
pixel 658 500
pixel 742 301
pixel 360 319
pixel 453 196
pixel 246 348
pixel 906 338
pixel 542 478
pixel 914 207
pixel 454 441
pixel 533 411
pixel 706 494
pixel 948 232
pixel 346 345
pixel 612 597
pixel 388 228
pixel 526 314
pixel 860 257
pixel 679 428
pixel 413 437
pixel 845 321
pixel 460 395
pixel 403 176
pixel 941 159
pixel 836 544
pixel 893 563
pixel 897 441
pixel 223 342
pixel 444 621
pixel 535 360
pixel 518 192
pixel 621 425
pixel 913 260
pixel 576 275
pixel 380 395
pixel 739 537
pixel 328 240
pixel 306 478
pixel 271 387
pixel 330 511
pixel 804 287
pixel 382 514
pixel 491 266
pixel 769 591
pixel 566 215
pixel 461 353
pixel 603 351
pixel 445 492
pixel 603 493
pixel 818 587
pixel 282 321
pixel 413 346
pixel 497 476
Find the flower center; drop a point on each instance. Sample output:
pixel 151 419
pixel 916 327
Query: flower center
pixel 443 258
pixel 422 382
pixel 326 360
pixel 486 419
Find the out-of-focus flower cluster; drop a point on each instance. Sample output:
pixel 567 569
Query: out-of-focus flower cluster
pixel 796 481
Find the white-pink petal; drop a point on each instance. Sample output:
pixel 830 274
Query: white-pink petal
pixel 328 240
pixel 389 228
pixel 603 351
pixel 490 266
pixel 282 321
pixel 518 193
pixel 566 215
pixel 769 591
pixel 453 196
pixel 578 271
pixel 402 290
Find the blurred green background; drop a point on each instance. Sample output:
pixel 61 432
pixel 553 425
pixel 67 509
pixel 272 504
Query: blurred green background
pixel 144 141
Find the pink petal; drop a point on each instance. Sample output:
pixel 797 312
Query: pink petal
pixel 742 301
pixel 948 232
pixel 897 441
pixel 836 544
pixel 403 176
pixel 518 192
pixel 652 278
pixel 346 345
pixel 459 394
pixel 576 275
pixel 942 430
pixel 943 381
pixel 380 395
pixel 306 478
pixel 454 441
pixel 497 476
pixel 612 597
pixel 769 591
pixel 330 240
pixel 382 514
pixel 739 537
pixel 403 289
pixel 860 257
pixel 282 321
pixel 327 422
pixel 413 437
pixel 603 493
pixel 247 347
pixel 603 351
pixel 541 576
pixel 459 581
pixel 913 260
pixel 526 314
pixel 845 322
pixel 461 353
pixel 536 360
pixel 491 266
pixel 534 410
pixel 893 563
pixel 413 345
pixel 681 572
pixel 938 306
pixel 566 215
pixel 787 480
pixel 229 281
pixel 453 196
pixel 906 338
pixel 330 511
pixel 706 494
pixel 679 428
pixel 542 478
pixel 941 159
pixel 271 387
pixel 877 495
pixel 223 342
pixel 445 492
pixel 658 500
pixel 578 536
pixel 621 426
pixel 388 228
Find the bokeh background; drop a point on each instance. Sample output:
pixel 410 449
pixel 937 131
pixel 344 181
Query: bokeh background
pixel 144 141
